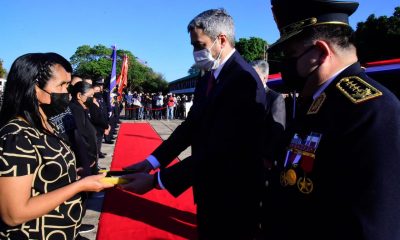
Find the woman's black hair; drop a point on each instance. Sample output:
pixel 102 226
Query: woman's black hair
pixel 80 87
pixel 19 94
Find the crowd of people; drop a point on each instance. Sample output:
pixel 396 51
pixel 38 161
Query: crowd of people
pixel 149 106
pixel 328 173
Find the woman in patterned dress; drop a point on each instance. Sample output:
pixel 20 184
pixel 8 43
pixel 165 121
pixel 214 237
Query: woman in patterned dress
pixel 40 194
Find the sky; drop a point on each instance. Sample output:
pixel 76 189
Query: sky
pixel 153 30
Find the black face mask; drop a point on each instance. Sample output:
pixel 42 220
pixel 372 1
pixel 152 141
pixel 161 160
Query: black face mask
pixel 58 104
pixel 98 95
pixel 290 75
pixel 89 101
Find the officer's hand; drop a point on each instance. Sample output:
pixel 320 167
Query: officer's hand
pixel 143 166
pixel 139 183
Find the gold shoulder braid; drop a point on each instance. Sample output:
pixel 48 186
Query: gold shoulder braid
pixel 357 90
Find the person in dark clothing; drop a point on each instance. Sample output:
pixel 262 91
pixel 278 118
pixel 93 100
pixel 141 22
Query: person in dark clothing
pixel 99 118
pixel 148 107
pixel 84 144
pixel 339 178
pixel 117 108
pixel 108 138
pixel 275 119
pixel 225 168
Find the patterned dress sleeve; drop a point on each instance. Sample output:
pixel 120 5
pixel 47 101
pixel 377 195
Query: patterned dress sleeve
pixel 17 155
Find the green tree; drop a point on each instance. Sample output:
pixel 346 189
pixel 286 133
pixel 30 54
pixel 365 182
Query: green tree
pixel 252 49
pixel 96 62
pixel 193 70
pixel 155 83
pixel 92 61
pixel 378 38
pixel 3 71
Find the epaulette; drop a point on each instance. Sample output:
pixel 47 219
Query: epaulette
pixel 357 90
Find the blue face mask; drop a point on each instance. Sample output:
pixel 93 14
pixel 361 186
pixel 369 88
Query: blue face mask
pixel 204 59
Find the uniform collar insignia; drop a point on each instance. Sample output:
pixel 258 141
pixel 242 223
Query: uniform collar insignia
pixel 316 105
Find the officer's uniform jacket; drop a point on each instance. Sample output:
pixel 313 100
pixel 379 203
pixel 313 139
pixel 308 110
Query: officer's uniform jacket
pixel 340 176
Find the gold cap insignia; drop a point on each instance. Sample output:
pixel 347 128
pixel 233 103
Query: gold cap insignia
pixel 297 26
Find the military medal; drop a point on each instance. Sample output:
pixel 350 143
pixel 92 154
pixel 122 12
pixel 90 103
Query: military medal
pixel 291 177
pixel 300 155
pixel 305 185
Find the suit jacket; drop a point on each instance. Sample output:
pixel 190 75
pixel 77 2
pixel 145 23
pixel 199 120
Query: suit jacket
pixel 225 168
pixel 275 123
pixel 275 107
pixel 351 189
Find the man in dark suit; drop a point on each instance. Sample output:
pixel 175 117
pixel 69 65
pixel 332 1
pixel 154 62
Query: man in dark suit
pixel 275 103
pixel 225 168
pixel 275 120
pixel 339 179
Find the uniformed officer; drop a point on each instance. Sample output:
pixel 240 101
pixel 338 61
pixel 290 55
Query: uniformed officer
pixel 339 178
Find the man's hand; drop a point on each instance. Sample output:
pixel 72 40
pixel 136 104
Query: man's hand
pixel 139 183
pixel 107 131
pixel 143 166
pixel 96 102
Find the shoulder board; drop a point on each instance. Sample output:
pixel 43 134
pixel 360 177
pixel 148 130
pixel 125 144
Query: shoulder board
pixel 357 90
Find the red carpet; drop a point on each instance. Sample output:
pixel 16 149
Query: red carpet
pixel 155 215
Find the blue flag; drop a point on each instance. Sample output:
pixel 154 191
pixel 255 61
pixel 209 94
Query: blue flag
pixel 113 77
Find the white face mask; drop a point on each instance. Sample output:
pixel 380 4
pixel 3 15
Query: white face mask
pixel 205 60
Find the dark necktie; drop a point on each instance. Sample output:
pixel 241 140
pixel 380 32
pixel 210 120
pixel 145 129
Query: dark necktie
pixel 210 84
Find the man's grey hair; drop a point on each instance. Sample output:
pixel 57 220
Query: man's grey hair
pixel 214 22
pixel 262 66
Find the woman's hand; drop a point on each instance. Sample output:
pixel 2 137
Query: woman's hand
pixel 93 183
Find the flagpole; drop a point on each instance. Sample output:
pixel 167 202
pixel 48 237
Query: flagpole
pixel 113 75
